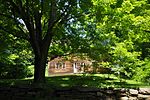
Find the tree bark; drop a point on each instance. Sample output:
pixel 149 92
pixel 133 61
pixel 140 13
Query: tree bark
pixel 40 65
pixel 41 53
pixel 39 70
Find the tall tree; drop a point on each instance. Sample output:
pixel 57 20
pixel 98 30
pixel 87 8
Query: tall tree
pixel 122 27
pixel 37 22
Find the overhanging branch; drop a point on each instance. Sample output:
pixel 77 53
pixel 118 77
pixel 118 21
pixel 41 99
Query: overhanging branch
pixel 14 34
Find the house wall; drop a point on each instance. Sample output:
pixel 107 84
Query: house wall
pixel 69 67
pixel 53 68
pixel 61 66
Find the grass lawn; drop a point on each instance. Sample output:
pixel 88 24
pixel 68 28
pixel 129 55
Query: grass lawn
pixel 90 80
pixel 94 80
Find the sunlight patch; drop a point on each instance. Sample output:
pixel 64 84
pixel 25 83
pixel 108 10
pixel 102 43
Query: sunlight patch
pixel 64 85
pixel 65 79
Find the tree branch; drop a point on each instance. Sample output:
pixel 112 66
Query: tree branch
pixel 42 6
pixel 16 35
pixel 54 20
pixel 51 23
pixel 17 24
pixel 38 25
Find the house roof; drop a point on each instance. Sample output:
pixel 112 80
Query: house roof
pixel 73 59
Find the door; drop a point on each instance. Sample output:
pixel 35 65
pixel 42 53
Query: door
pixel 75 70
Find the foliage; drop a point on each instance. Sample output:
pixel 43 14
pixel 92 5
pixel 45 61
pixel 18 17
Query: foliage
pixel 114 33
pixel 69 41
pixel 122 34
pixel 40 22
pixel 14 62
pixel 124 62
pixel 14 71
pixel 117 34
pixel 143 72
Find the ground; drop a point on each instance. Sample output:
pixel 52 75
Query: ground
pixel 58 87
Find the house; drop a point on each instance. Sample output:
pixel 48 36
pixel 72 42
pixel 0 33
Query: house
pixel 61 65
pixel 75 64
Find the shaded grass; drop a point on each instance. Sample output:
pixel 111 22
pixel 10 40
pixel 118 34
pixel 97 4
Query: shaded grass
pixel 15 82
pixel 93 80
pixel 80 80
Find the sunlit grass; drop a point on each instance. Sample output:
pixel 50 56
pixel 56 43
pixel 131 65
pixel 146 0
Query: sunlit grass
pixel 80 80
pixel 94 80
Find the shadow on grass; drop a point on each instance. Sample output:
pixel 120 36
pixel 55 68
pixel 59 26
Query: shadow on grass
pixel 15 82
pixel 88 81
pixel 73 81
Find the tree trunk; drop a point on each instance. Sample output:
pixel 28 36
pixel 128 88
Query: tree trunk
pixel 39 70
pixel 40 64
pixel 41 44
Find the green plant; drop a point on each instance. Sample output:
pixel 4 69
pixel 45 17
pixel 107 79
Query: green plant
pixel 124 62
pixel 143 72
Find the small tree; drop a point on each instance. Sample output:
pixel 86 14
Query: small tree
pixel 124 62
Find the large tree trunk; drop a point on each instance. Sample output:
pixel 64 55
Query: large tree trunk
pixel 40 64
pixel 39 70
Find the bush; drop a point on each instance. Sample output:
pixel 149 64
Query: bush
pixel 143 72
pixel 14 71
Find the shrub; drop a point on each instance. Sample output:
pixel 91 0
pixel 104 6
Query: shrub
pixel 14 71
pixel 143 72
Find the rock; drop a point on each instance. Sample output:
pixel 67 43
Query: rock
pixel 109 91
pixel 133 98
pixel 133 92
pixel 123 90
pixel 148 98
pixel 141 97
pixel 110 98
pixel 124 98
pixel 123 94
pixel 99 94
pixel 144 91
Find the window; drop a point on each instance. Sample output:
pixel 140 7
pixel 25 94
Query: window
pixel 64 66
pixel 52 64
pixel 60 65
pixel 82 64
pixel 57 66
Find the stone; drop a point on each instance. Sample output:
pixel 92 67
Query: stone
pixel 110 98
pixel 109 91
pixel 144 91
pixel 124 98
pixel 123 90
pixel 133 92
pixel 141 97
pixel 99 94
pixel 133 98
pixel 148 98
pixel 123 94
